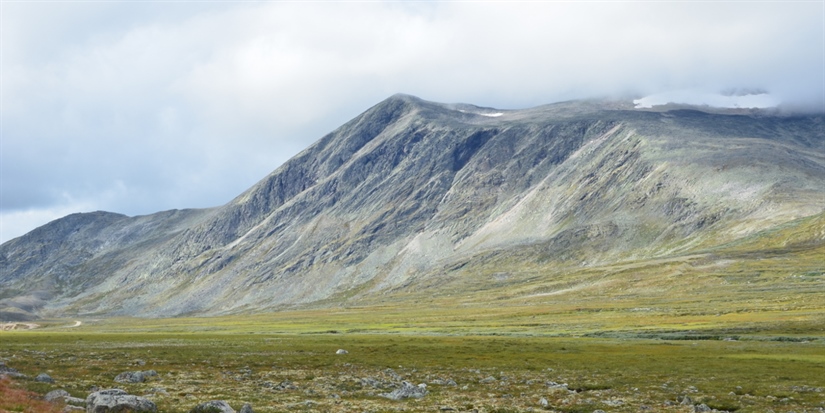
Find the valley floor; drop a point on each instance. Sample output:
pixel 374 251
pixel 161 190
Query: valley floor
pixel 288 362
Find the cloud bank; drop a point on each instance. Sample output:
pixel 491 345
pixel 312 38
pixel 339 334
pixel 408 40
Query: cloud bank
pixel 140 107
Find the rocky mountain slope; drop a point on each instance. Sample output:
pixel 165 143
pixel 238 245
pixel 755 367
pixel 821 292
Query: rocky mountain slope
pixel 410 191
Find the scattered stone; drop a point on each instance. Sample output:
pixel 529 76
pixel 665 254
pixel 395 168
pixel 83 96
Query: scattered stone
pixel 489 379
pixel 158 390
pixel 341 351
pixel 9 371
pixel 75 401
pixel 599 411
pixel 117 400
pixel 393 374
pixel 701 408
pixel 134 376
pixel 61 395
pixel 556 386
pixel 56 395
pixel 246 408
pixel 371 382
pixel 213 406
pixel 543 402
pixel 284 385
pixel 44 378
pixel 406 391
pixel 69 408
pixel 139 362
pixel 686 401
pixel 446 409
pixel 807 389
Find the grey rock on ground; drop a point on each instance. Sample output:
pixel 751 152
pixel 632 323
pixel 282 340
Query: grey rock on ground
pixel 9 371
pixel 247 408
pixel 134 376
pixel 214 406
pixel 56 395
pixel 44 378
pixel 406 391
pixel 117 400
pixel 341 351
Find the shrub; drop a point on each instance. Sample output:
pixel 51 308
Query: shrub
pixel 15 399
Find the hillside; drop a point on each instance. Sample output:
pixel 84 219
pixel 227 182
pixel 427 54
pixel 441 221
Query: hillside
pixel 415 200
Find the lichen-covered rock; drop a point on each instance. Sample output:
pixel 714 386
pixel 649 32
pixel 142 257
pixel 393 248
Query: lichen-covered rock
pixel 134 376
pixel 214 406
pixel 407 391
pixel 247 408
pixel 44 378
pixel 56 395
pixel 117 401
pixel 9 371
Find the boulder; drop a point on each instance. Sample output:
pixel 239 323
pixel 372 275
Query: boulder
pixel 44 378
pixel 406 391
pixel 130 377
pixel 341 351
pixel 213 406
pixel 9 371
pixel 116 401
pixel 56 395
pixel 134 376
pixel 247 408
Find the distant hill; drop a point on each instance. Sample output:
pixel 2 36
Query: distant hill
pixel 408 194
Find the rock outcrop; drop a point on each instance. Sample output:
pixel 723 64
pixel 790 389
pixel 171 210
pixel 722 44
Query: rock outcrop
pixel 117 400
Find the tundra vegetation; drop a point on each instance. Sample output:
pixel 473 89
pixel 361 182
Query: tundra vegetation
pixel 736 328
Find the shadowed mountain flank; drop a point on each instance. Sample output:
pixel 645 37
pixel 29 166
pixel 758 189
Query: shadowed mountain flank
pixel 409 191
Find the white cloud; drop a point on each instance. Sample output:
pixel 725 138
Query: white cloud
pixel 705 98
pixel 187 104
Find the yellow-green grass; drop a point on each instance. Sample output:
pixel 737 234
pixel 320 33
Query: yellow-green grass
pixel 746 375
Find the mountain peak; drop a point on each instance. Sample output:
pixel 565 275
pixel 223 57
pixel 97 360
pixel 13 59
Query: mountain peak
pixel 405 195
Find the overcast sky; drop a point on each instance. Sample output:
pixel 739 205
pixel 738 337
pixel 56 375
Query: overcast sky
pixel 137 107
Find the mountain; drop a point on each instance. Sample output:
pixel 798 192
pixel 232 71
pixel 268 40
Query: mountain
pixel 411 193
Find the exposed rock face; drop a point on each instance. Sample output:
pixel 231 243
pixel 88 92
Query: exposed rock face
pixel 117 400
pixel 411 190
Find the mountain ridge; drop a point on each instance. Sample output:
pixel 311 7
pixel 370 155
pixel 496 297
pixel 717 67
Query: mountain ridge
pixel 411 186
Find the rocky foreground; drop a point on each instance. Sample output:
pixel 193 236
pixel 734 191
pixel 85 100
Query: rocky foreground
pixel 365 390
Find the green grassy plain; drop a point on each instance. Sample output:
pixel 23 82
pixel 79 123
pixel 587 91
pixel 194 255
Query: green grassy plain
pixel 777 364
